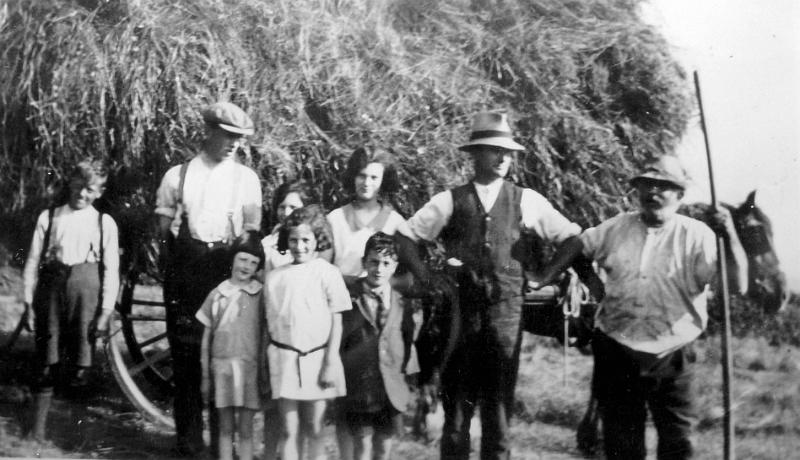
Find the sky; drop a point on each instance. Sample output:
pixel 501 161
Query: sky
pixel 747 55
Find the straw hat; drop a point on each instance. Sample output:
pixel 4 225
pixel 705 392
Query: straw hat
pixel 666 168
pixel 229 117
pixel 491 128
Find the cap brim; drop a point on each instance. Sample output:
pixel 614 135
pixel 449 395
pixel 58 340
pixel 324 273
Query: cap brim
pixel 503 142
pixel 658 177
pixel 236 129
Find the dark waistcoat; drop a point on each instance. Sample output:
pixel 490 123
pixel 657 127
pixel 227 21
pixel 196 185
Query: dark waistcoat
pixel 492 246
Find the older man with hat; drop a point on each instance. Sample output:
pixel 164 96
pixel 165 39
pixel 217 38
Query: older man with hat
pixel 488 227
pixel 659 266
pixel 202 205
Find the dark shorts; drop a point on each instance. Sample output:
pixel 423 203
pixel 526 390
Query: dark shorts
pixel 388 421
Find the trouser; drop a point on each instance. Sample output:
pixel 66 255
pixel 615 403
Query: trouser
pixel 194 271
pixel 482 369
pixel 625 388
pixel 66 301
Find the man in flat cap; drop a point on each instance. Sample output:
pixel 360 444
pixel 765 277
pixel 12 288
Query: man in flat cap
pixel 201 206
pixel 659 266
pixel 488 227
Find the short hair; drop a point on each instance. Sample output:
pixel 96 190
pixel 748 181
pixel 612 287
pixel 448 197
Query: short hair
pixel 359 160
pixel 382 244
pixel 90 170
pixel 299 187
pixel 313 216
pixel 250 243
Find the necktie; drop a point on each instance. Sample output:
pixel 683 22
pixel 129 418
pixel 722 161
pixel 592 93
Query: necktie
pixel 380 310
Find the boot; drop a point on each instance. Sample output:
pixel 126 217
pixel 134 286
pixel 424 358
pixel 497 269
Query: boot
pixel 41 406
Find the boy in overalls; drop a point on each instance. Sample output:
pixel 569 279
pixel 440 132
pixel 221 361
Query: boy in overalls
pixel 71 280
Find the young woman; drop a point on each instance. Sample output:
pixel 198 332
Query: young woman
pixel 288 197
pixel 371 178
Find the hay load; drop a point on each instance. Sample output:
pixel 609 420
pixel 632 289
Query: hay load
pixel 592 91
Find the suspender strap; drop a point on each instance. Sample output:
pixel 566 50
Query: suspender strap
pixel 300 354
pixel 46 243
pixel 232 206
pixel 102 262
pixel 184 167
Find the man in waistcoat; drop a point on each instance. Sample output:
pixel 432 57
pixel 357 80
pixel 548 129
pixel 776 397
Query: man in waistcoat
pixel 201 206
pixel 487 227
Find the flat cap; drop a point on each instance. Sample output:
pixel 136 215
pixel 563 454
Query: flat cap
pixel 666 168
pixel 229 117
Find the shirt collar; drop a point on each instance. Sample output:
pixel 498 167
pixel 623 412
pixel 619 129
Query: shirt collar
pixel 227 289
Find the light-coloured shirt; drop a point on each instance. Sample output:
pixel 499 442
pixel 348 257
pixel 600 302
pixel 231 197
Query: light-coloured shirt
pixel 537 215
pixel 350 237
pixel 214 194
pixel 75 239
pixel 657 280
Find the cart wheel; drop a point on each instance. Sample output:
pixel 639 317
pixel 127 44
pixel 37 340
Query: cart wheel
pixel 144 368
pixel 12 339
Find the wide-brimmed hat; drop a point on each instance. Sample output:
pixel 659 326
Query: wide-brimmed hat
pixel 666 168
pixel 491 128
pixel 229 117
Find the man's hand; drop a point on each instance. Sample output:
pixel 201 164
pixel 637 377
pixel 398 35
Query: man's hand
pixel 101 326
pixel 721 221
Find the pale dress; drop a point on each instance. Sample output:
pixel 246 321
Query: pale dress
pixel 350 235
pixel 299 300
pixel 232 313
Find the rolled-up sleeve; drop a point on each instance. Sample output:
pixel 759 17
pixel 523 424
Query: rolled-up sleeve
pixel 110 262
pixel 429 220
pixel 540 216
pixel 30 275
pixel 167 194
pixel 705 257
pixel 251 201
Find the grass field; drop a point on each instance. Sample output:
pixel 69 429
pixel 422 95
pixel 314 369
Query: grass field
pixel 766 399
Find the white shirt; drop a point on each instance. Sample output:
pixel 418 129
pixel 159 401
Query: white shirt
pixel 212 192
pixel 75 239
pixel 657 280
pixel 537 214
pixel 350 238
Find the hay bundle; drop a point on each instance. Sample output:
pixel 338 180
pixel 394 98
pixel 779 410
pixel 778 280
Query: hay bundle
pixel 592 90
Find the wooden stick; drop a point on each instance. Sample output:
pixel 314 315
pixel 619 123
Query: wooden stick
pixel 727 359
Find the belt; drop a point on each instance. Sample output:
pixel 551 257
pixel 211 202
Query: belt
pixel 300 354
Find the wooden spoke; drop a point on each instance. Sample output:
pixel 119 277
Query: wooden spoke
pixel 153 340
pixel 157 357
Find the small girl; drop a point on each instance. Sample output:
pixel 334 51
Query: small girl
pixel 303 302
pixel 230 347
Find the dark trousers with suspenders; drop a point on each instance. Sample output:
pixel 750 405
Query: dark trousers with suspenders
pixel 66 300
pixel 195 268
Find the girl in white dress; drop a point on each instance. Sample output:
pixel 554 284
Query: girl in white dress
pixel 303 302
pixel 371 178
pixel 288 197
pixel 230 347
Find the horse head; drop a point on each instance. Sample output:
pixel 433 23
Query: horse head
pixel 767 282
